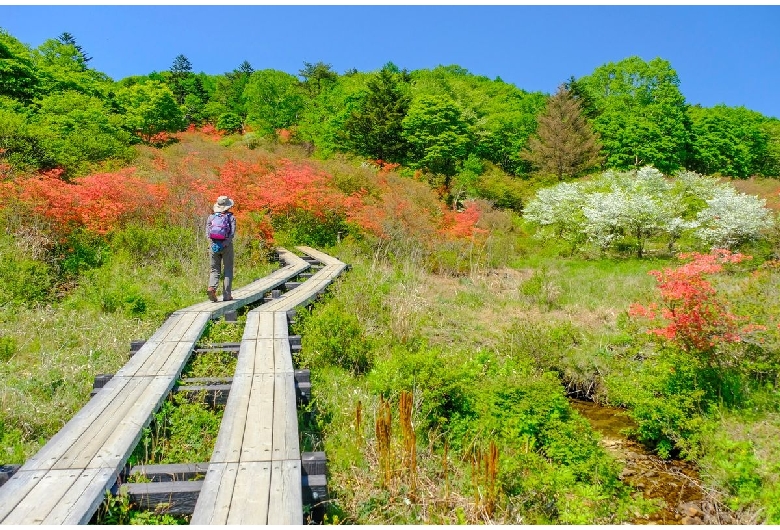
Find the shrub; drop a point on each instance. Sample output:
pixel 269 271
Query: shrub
pixel 443 384
pixel 25 280
pixel 229 122
pixel 333 335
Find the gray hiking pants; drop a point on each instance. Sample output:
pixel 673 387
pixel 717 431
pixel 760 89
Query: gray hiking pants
pixel 222 262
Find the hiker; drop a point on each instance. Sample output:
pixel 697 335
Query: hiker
pixel 220 229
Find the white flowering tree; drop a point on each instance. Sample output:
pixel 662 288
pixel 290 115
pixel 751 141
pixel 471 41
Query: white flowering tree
pixel 558 212
pixel 732 218
pixel 638 206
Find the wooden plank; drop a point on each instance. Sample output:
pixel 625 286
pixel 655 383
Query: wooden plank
pixel 177 497
pixel 176 333
pixel 117 447
pixel 285 418
pixel 227 448
pixel 146 362
pixel 266 328
pixel 251 494
pixel 42 498
pixel 257 438
pixel 285 495
pixel 92 438
pixel 83 498
pixel 48 456
pixel 16 489
pixel 172 321
pixel 252 326
pixel 176 472
pixel 314 463
pixel 139 358
pixel 315 489
pixel 245 363
pixel 282 355
pixel 195 330
pixel 216 494
pixel 255 357
pixel 168 359
pixel 323 258
pixel 281 327
pixel 265 352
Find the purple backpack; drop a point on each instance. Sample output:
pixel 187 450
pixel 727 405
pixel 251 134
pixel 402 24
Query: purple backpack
pixel 219 229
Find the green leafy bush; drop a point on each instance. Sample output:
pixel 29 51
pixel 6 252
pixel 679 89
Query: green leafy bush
pixel 332 335
pixel 25 280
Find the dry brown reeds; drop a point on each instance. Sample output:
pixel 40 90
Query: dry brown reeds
pixel 484 476
pixel 384 428
pixel 405 407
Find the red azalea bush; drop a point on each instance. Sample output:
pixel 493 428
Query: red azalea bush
pixel 178 186
pixel 693 316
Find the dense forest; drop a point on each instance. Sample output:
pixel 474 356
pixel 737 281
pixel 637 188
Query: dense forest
pixel 57 112
pixel 510 251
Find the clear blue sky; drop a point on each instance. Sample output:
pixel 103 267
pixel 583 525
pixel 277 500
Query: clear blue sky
pixel 722 54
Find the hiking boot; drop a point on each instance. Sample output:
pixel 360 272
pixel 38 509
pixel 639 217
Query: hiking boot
pixel 212 294
pixel 227 298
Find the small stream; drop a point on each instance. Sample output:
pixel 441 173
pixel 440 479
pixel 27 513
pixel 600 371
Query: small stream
pixel 675 482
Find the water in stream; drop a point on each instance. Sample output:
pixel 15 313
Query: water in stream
pixel 674 481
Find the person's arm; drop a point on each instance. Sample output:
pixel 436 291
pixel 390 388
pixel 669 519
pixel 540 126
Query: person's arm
pixel 232 226
pixel 208 225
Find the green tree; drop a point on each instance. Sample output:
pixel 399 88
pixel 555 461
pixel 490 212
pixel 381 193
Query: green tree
pixel 196 98
pixel 564 144
pixel 18 75
pixel 68 39
pixel 229 122
pixel 375 128
pixel 78 130
pixel 245 68
pixel 438 134
pixel 62 67
pixel 181 70
pixel 317 77
pixel 501 116
pixel 273 100
pixel 728 141
pixel 772 163
pixel 228 96
pixel 150 108
pixel 20 145
pixel 322 119
pixel 641 113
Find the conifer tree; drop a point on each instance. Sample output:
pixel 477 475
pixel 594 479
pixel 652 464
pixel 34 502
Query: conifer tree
pixel 68 39
pixel 564 143
pixel 181 69
pixel 375 129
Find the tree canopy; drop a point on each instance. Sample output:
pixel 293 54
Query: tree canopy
pixel 455 126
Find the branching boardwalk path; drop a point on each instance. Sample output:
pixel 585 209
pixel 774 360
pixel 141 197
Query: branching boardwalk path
pixel 254 476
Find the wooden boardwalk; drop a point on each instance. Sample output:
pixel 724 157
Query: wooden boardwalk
pixel 65 482
pixel 254 476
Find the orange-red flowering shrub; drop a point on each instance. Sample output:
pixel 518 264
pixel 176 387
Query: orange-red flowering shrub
pixel 98 202
pixel 179 186
pixel 462 224
pixel 692 315
pixel 284 135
